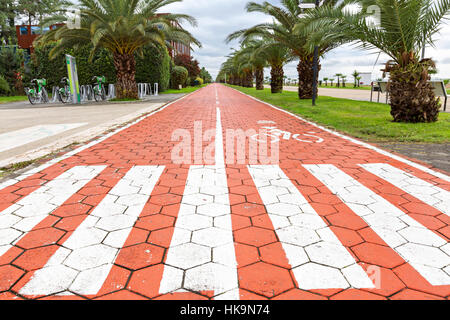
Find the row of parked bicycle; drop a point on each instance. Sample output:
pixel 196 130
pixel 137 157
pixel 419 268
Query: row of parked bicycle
pixel 38 94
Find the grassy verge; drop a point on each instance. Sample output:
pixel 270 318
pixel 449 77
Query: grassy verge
pixel 12 99
pixel 365 120
pixel 184 90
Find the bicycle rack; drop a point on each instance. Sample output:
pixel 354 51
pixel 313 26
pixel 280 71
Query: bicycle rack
pixel 55 94
pixel 111 92
pixel 87 93
pixel 156 89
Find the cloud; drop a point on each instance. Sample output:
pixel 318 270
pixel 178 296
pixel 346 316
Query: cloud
pixel 219 18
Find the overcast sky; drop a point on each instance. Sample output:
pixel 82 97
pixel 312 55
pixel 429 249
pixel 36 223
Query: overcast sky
pixel 218 18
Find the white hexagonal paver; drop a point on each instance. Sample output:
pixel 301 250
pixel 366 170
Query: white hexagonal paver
pixel 7 236
pixel 283 209
pixel 188 255
pixel 7 221
pixel 420 254
pixel 297 236
pixel 314 276
pixel 308 221
pixel 49 280
pixel 297 255
pixel 329 254
pixel 213 209
pixel 197 199
pixel 116 222
pixel 213 237
pixel 84 237
pixel 90 257
pixel 206 278
pixel 421 236
pixel 194 222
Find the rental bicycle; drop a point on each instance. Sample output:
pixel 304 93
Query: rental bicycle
pixel 37 93
pixel 99 88
pixel 64 93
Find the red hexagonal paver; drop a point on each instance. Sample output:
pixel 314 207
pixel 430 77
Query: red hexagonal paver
pixel 248 209
pixel 155 222
pixel 377 255
pixel 140 256
pixel 8 276
pixel 265 279
pixel 255 236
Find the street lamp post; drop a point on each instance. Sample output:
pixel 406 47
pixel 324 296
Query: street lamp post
pixel 316 53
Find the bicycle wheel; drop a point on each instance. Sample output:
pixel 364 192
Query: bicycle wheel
pixel 64 95
pixel 97 93
pixel 31 97
pixel 103 94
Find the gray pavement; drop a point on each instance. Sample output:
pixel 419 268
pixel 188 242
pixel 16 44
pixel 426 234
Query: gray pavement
pixel 28 132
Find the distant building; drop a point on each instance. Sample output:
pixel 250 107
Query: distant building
pixel 366 78
pixel 26 34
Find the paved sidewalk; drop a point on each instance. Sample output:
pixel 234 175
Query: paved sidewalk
pixel 331 218
pixel 29 132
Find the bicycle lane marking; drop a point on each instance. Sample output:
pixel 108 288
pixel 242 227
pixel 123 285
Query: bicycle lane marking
pixel 346 155
pixel 102 156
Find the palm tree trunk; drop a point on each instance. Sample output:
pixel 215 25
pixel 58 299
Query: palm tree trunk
pixel 126 87
pixel 412 96
pixel 259 74
pixel 248 79
pixel 277 74
pixel 306 76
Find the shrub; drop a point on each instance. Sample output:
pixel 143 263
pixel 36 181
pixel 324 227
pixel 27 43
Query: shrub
pixel 4 87
pixel 179 76
pixel 53 70
pixel 11 60
pixel 198 81
pixel 154 67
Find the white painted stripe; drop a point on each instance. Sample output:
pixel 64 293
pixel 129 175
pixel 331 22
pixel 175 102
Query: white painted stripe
pixel 201 256
pixel 318 258
pixel 14 139
pixel 50 163
pixel 84 261
pixel 361 143
pixel 422 190
pixel 28 212
pixel 417 245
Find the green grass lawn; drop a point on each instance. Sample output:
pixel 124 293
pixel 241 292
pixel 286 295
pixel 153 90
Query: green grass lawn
pixel 184 90
pixel 369 121
pixel 12 99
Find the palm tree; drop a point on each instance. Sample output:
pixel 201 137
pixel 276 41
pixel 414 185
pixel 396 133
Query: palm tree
pixel 249 47
pixel 344 78
pixel 355 76
pixel 338 76
pixel 326 81
pixel 331 80
pixel 283 30
pixel 124 27
pixel 404 28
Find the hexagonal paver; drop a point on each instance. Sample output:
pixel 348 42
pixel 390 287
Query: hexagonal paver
pixel 308 221
pixel 49 280
pixel 116 222
pixel 424 255
pixel 213 209
pixel 421 236
pixel 298 236
pixel 248 209
pixel 155 222
pixel 255 236
pixel 265 279
pixel 314 276
pixel 197 199
pixel 85 237
pixel 188 255
pixel 205 278
pixel 194 222
pixel 140 256
pixel 8 276
pixel 283 209
pixel 90 257
pixel 7 236
pixel 329 254
pixel 212 237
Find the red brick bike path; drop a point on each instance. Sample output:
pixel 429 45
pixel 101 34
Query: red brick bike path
pixel 274 245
